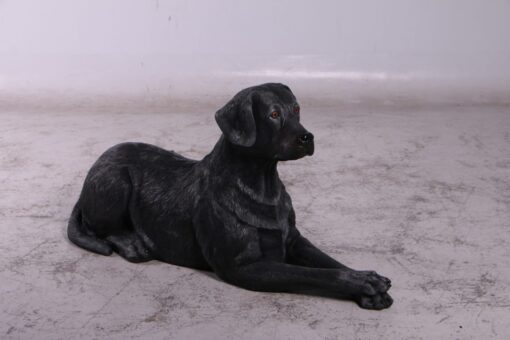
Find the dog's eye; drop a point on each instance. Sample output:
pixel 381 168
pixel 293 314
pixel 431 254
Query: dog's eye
pixel 296 109
pixel 275 114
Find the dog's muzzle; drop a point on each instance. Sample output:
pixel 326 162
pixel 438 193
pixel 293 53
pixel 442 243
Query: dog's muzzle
pixel 306 141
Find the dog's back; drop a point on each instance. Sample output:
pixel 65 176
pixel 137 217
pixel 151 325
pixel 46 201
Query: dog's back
pixel 143 155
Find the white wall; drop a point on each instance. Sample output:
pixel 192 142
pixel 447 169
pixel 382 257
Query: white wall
pixel 358 50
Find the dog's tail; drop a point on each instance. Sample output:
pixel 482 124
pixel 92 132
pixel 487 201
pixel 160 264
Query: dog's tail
pixel 79 235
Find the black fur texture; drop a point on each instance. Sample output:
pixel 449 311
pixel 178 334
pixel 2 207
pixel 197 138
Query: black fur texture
pixel 228 212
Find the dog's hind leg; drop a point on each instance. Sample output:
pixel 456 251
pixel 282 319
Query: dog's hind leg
pixel 129 245
pixel 106 198
pixel 79 235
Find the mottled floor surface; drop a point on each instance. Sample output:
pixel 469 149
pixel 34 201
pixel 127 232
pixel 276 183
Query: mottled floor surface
pixel 422 196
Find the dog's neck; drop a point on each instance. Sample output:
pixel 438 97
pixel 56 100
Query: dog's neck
pixel 255 176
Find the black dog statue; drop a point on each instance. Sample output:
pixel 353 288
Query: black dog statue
pixel 229 212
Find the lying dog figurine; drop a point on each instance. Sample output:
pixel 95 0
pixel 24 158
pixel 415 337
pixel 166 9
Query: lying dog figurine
pixel 229 212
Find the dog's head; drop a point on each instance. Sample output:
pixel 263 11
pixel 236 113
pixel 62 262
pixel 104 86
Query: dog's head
pixel 263 120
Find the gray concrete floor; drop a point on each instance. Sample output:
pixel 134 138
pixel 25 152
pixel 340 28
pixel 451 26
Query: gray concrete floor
pixel 420 195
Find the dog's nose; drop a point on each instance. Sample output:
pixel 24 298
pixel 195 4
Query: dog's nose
pixel 306 138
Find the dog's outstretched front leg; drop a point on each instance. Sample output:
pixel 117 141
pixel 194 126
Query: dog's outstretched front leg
pixel 302 252
pixel 243 261
pixel 272 276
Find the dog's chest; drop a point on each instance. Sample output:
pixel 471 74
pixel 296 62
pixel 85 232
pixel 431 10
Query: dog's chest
pixel 255 211
pixel 256 218
pixel 270 224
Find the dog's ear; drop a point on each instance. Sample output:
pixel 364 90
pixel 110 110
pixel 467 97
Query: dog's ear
pixel 236 120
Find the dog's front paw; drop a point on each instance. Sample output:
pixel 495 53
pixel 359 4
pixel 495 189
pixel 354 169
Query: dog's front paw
pixel 374 292
pixel 371 279
pixel 375 302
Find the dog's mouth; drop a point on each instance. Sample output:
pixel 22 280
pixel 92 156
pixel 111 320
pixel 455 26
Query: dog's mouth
pixel 310 149
pixel 296 152
pixel 306 150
